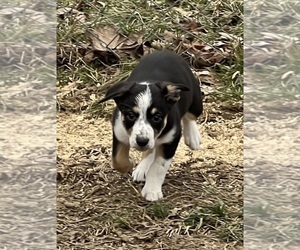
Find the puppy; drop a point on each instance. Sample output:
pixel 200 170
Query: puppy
pixel 160 96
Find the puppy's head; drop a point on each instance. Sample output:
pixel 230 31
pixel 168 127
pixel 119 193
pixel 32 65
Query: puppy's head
pixel 144 109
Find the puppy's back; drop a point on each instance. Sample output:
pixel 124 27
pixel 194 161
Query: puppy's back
pixel 163 66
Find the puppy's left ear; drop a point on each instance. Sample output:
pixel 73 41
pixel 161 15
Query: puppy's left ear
pixel 172 91
pixel 117 90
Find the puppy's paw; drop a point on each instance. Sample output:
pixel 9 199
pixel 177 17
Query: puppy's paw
pixel 192 136
pixel 193 142
pixel 152 194
pixel 139 173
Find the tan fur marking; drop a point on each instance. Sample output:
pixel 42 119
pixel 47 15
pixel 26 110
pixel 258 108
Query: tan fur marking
pixel 190 116
pixel 159 151
pixel 173 93
pixel 136 109
pixel 153 111
pixel 121 162
pixel 171 88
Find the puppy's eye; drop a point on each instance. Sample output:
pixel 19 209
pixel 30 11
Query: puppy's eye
pixel 130 116
pixel 157 118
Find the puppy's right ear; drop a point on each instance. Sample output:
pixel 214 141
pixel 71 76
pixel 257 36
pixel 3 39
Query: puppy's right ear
pixel 117 90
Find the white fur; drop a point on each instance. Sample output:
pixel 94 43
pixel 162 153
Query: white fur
pixel 167 138
pixel 141 170
pixel 144 83
pixel 191 133
pixel 142 127
pixel 155 177
pixel 156 172
pixel 139 174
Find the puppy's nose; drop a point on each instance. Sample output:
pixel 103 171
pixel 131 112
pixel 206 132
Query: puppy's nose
pixel 141 141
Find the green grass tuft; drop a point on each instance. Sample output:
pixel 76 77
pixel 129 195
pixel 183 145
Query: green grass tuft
pixel 158 210
pixel 218 218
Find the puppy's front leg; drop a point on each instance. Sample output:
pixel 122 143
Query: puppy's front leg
pixel 155 177
pixel 120 156
pixel 139 174
pixel 156 174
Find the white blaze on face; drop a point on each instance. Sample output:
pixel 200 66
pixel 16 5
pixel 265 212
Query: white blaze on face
pixel 141 127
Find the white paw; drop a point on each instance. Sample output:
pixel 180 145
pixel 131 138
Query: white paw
pixel 139 173
pixel 192 136
pixel 155 176
pixel 193 142
pixel 152 194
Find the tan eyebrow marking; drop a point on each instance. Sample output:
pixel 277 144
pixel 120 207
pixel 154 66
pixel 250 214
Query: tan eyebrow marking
pixel 153 111
pixel 136 109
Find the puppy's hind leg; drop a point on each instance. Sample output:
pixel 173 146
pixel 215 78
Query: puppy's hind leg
pixel 191 132
pixel 120 156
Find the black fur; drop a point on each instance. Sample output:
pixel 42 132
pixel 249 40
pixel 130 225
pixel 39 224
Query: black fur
pixel 167 66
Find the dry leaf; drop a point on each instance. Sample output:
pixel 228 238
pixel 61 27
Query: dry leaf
pixel 106 38
pixel 203 55
pixel 168 36
pixel 133 41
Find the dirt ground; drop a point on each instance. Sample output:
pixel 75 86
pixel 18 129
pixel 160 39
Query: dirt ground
pixel 99 208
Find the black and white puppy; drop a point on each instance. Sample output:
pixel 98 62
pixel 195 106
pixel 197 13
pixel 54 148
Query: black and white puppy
pixel 159 97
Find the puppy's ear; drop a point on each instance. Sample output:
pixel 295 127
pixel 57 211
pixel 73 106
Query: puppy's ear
pixel 117 90
pixel 171 91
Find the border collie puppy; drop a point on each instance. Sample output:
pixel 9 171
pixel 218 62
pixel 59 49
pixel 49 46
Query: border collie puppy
pixel 160 96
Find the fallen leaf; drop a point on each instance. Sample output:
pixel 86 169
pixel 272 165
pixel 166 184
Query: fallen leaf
pixel 133 40
pixel 107 38
pixel 168 36
pixel 203 55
